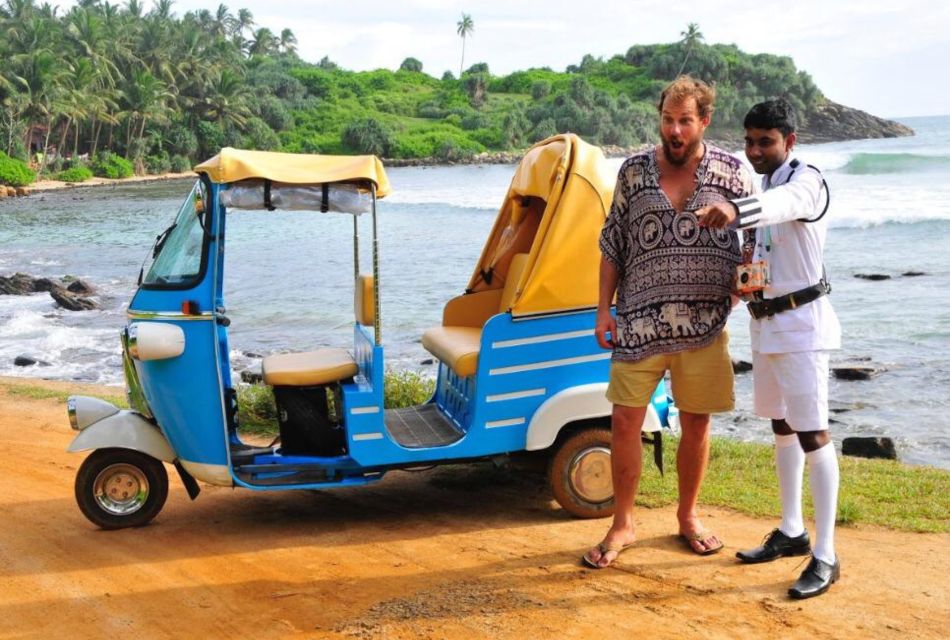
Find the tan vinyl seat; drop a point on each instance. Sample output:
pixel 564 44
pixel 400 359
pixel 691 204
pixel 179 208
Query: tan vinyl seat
pixel 458 346
pixel 309 368
pixel 323 366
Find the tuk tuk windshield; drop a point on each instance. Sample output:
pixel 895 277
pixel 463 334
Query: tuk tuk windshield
pixel 178 250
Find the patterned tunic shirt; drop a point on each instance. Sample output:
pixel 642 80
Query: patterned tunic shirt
pixel 675 277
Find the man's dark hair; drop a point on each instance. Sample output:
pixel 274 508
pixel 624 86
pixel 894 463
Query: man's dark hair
pixel 772 114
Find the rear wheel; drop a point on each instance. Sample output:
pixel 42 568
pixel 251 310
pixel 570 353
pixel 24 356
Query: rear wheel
pixel 579 474
pixel 118 488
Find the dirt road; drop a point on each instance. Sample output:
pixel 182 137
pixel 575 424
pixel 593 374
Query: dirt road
pixel 457 552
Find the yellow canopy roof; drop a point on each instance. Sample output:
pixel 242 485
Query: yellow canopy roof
pixel 554 211
pixel 232 165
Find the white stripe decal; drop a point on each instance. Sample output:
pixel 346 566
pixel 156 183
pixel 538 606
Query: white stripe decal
pixel 355 411
pixel 547 364
pixel 367 436
pixel 551 337
pixel 504 423
pixel 516 395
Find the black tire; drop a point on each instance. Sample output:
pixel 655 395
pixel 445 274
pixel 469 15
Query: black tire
pixel 579 474
pixel 119 488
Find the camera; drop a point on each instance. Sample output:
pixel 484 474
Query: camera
pixel 752 277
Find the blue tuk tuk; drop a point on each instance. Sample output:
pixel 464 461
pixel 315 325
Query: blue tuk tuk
pixel 519 368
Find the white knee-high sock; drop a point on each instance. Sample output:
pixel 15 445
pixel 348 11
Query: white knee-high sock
pixel 790 463
pixel 824 479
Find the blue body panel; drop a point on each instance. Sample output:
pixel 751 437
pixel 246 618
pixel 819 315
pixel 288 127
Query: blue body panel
pixel 185 393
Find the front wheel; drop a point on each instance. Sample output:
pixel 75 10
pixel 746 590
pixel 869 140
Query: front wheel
pixel 118 488
pixel 579 474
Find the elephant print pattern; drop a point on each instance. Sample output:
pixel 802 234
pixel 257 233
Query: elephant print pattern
pixel 675 277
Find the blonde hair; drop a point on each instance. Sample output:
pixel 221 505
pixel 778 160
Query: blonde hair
pixel 688 87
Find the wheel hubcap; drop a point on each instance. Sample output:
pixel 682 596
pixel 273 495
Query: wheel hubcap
pixel 121 489
pixel 590 475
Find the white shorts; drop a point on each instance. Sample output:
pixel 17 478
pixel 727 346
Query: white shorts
pixel 792 387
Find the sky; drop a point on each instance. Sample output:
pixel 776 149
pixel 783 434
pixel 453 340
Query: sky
pixel 880 56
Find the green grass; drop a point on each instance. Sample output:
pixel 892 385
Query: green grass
pixel 43 393
pixel 741 476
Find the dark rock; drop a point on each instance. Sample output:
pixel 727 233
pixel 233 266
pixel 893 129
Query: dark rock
pixel 830 121
pixel 71 301
pixel 857 372
pixel 80 286
pixel 741 366
pixel 251 354
pixel 45 284
pixel 252 377
pixel 427 361
pixel 19 284
pixel 24 361
pixel 872 276
pixel 869 447
pixel 911 274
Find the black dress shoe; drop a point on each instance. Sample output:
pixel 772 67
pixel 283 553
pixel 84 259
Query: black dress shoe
pixel 776 545
pixel 817 577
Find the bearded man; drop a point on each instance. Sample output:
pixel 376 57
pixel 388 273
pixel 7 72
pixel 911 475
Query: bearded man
pixel 673 281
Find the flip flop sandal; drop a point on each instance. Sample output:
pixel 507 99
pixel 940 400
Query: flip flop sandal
pixel 604 549
pixel 700 536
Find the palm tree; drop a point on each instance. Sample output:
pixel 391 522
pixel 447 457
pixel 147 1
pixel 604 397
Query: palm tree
pixel 691 37
pixel 464 28
pixel 263 42
pixel 288 41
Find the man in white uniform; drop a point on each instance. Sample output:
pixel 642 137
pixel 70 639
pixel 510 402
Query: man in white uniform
pixel 793 327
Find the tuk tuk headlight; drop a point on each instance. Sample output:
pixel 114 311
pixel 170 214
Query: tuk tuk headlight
pixel 84 411
pixel 155 340
pixel 71 411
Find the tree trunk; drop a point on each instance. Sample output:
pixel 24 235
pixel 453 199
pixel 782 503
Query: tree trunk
pixel 96 130
pixel 49 128
pixel 63 136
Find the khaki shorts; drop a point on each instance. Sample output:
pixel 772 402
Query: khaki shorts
pixel 702 379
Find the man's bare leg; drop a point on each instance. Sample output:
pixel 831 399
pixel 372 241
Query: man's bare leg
pixel 691 460
pixel 626 451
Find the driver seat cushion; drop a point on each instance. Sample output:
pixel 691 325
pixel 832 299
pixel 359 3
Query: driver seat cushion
pixel 458 346
pixel 308 368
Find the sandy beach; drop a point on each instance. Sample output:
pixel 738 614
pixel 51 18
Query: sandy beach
pixel 53 185
pixel 454 552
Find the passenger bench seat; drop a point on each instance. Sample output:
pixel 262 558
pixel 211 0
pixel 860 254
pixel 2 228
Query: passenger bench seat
pixel 457 346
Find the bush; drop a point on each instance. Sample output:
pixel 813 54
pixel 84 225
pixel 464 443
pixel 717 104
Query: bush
pixel 79 173
pixel 180 164
pixel 14 172
pixel 158 164
pixel 411 64
pixel 259 136
pixel 108 165
pixel 181 140
pixel 407 388
pixel 540 89
pixel 367 136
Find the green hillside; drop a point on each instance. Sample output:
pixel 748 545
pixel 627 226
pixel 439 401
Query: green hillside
pixel 164 91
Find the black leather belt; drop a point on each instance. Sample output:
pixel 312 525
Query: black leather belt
pixel 768 307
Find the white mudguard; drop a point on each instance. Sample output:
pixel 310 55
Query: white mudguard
pixel 570 405
pixel 124 430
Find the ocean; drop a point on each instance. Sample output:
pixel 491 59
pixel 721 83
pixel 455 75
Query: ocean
pixel 289 278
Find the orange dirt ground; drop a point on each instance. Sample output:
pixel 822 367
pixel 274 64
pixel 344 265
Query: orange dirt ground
pixel 455 552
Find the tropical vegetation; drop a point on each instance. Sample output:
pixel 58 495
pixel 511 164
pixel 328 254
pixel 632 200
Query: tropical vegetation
pixel 101 84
